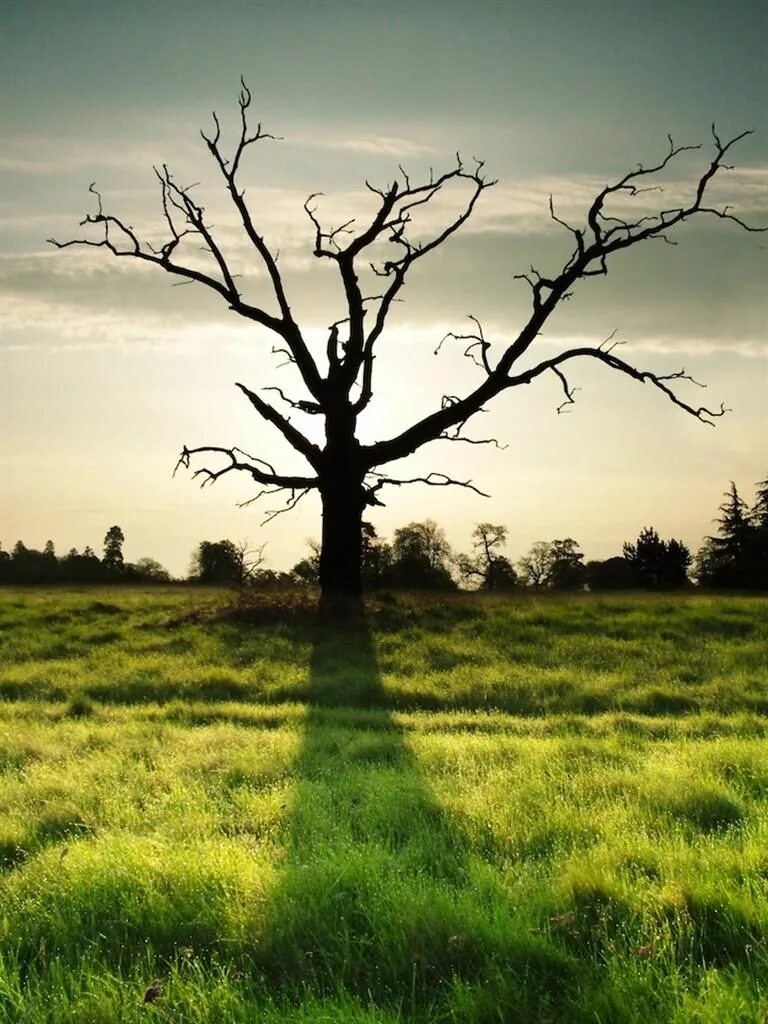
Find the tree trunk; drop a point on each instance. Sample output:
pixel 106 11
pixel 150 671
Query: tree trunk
pixel 341 550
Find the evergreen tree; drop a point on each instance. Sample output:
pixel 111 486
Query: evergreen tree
pixel 759 513
pixel 658 563
pixel 646 556
pixel 725 560
pixel 757 570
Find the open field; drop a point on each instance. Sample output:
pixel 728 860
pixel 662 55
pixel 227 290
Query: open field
pixel 520 810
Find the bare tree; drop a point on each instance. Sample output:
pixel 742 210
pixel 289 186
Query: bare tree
pixel 487 567
pixel 348 475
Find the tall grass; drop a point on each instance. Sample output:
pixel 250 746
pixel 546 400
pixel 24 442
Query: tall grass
pixel 456 811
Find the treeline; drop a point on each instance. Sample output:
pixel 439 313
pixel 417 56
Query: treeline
pixel 419 557
pixel 27 565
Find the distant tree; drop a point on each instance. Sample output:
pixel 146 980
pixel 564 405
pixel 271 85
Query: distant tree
pixel 225 563
pixel 28 565
pixel 567 569
pixel 250 559
pixel 85 568
pixel 271 579
pixel 376 558
pixel 556 564
pixel 51 563
pixel 486 567
pixel 535 566
pixel 677 564
pixel 759 512
pixel 723 558
pixel 658 563
pixel 148 570
pixel 738 555
pixel 612 574
pixel 734 532
pixel 758 558
pixel 113 551
pixel 307 570
pixel 420 558
pixel 5 566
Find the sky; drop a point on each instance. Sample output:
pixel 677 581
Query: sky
pixel 107 370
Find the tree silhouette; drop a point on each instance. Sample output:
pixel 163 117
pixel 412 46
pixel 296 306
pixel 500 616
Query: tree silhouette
pixel 611 574
pixel 759 539
pixel 225 562
pixel 307 570
pixel 536 565
pixel 489 569
pixel 149 570
pixel 656 562
pixel 350 476
pixel 113 551
pixel 420 557
pixel 759 512
pixel 738 555
pixel 567 570
pixel 557 564
pixel 375 558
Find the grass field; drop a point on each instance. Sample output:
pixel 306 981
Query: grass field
pixel 460 810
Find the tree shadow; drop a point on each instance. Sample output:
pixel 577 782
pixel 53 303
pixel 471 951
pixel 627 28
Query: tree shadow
pixel 378 897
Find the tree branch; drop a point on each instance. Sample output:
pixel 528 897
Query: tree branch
pixel 292 435
pixel 390 224
pixel 291 502
pixel 586 260
pixel 476 341
pixel 607 357
pixel 431 479
pixel 266 476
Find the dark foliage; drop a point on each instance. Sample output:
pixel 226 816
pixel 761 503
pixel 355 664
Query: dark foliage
pixel 553 565
pixel 27 565
pixel 113 560
pixel 656 562
pixel 420 558
pixel 612 574
pixel 737 557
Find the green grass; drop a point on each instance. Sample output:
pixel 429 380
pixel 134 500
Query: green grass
pixel 521 810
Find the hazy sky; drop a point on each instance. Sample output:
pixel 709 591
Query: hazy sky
pixel 107 370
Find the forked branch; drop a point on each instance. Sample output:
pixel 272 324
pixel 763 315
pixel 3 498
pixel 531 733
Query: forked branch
pixel 597 242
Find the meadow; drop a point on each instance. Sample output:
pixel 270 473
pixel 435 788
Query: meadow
pixel 523 810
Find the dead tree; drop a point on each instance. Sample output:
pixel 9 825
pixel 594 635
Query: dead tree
pixel 348 475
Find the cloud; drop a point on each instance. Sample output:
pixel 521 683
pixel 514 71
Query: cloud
pixel 715 303
pixel 521 207
pixel 379 145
